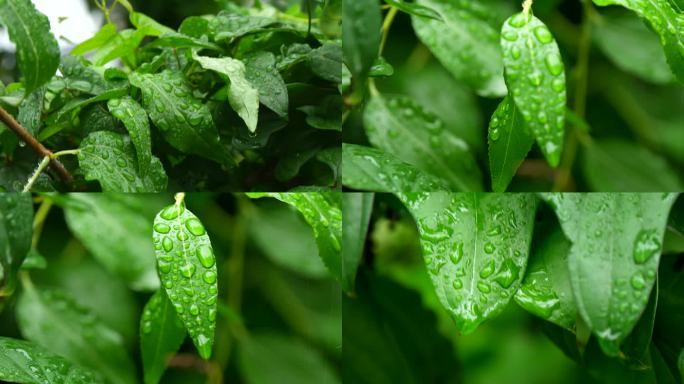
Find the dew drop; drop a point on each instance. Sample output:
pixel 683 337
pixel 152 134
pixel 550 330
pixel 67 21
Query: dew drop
pixel 187 270
pixel 209 277
pixel 170 212
pixel 457 255
pixel 162 228
pixel 518 20
pixel 182 236
pixel 638 281
pixel 510 35
pixel 487 270
pixel 121 162
pixel 164 267
pixel 489 248
pixel 483 287
pixel 167 244
pixel 535 78
pixel 205 256
pixel 494 134
pixel 554 64
pixel 195 227
pixel 458 284
pixel 194 310
pixel 543 34
pixel 646 245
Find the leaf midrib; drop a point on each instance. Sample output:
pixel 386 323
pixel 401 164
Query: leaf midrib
pixel 28 35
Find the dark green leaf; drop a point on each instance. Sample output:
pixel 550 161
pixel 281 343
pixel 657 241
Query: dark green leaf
pixel 326 62
pixel 16 230
pixel 161 335
pixel 261 72
pixel 356 210
pixel 227 26
pixel 668 334
pixel 78 75
pixel 136 122
pixel 361 35
pixel 187 268
pixel 327 114
pixel 31 111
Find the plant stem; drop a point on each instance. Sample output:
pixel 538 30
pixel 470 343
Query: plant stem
pixel 527 5
pixel 180 198
pixel 386 26
pixel 563 175
pixel 37 147
pixel 43 164
pixel 39 221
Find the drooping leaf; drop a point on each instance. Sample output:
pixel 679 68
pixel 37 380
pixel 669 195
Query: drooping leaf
pixel 666 22
pixel 536 80
pixel 26 362
pixel 616 242
pixel 356 210
pixel 289 361
pixel 54 320
pixel 104 35
pixel 110 158
pixel 324 217
pixel 31 111
pixel 37 49
pixel 370 169
pixel 110 226
pixel 261 72
pixel 399 126
pixel 509 144
pixel 16 230
pixel 466 42
pixel 361 35
pixel 475 247
pixel 161 335
pixel 184 121
pixel 242 95
pixel 187 269
pixel 136 122
pixel 120 45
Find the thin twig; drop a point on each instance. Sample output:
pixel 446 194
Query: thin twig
pixel 37 147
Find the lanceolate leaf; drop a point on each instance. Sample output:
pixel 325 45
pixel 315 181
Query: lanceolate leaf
pixel 667 22
pixel 356 210
pixel 324 217
pixel 16 230
pixel 466 42
pixel 361 35
pixel 31 111
pixel 475 247
pixel 242 96
pixel 37 49
pixel 509 144
pixel 414 9
pixel 26 362
pixel 536 79
pixel 370 169
pixel 616 242
pixel 135 119
pixel 110 226
pixel 54 320
pixel 109 158
pixel 184 121
pixel 161 334
pixel 401 127
pixel 187 268
pixel 262 73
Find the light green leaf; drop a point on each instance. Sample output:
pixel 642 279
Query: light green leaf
pixel 289 361
pixel 26 362
pixel 185 122
pixel 356 210
pixel 178 40
pixel 546 290
pixel 120 45
pixel 414 9
pixel 16 230
pixel 260 70
pixel 324 217
pixel 242 96
pixel 475 247
pixel 228 26
pixel 509 144
pixel 666 22
pixel 370 169
pixel 466 42
pixel 536 80
pixel 109 158
pixel 110 226
pixel 187 268
pixel 136 122
pixel 161 335
pixel 149 25
pixel 37 50
pixel 612 165
pixel 616 243
pixel 405 129
pixel 54 320
pixel 330 21
pixel 361 35
pixel 102 37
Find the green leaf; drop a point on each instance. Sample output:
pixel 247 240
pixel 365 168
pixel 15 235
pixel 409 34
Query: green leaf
pixel 77 104
pixel 666 22
pixel 242 96
pixel 356 210
pixel 149 25
pixel 135 119
pixel 37 50
pixel 289 361
pixel 631 46
pixel 184 121
pixel 361 35
pixel 79 75
pixel 26 362
pixel 161 335
pixel 634 348
pixel 326 114
pixel 546 290
pixel 466 42
pixel 261 72
pixel 475 247
pixel 187 269
pixel 110 226
pixel 121 45
pixel 228 26
pixel 101 38
pixel 509 144
pixel 616 242
pixel 399 126
pixel 178 40
pixel 370 169
pixel 324 217
pixel 414 9
pixel 281 233
pixel 109 158
pixel 326 62
pixel 668 334
pixel 16 230
pixel 31 111
pixel 613 165
pixel 536 80
pixel 54 320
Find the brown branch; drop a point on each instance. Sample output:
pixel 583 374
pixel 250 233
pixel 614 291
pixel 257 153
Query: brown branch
pixel 37 147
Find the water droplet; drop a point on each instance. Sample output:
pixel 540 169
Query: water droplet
pixel 646 245
pixel 510 35
pixel 483 287
pixel 543 34
pixel 167 87
pixel 489 248
pixel 182 236
pixel 487 270
pixel 554 64
pixel 638 281
pixel 518 20
pixel 121 162
pixel 170 212
pixel 147 327
pixel 209 277
pixel 494 134
pixel 458 284
pixel 457 255
pixel 159 106
pixel 164 267
pixel 507 273
pixel 205 256
pixel 179 308
pixel 167 244
pixel 195 227
pixel 162 228
pixel 535 78
pixel 194 310
pixel 187 270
